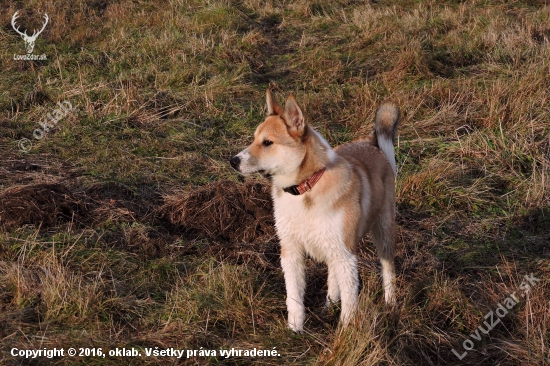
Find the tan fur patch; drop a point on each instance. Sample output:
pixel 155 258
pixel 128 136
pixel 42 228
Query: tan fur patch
pixel 308 202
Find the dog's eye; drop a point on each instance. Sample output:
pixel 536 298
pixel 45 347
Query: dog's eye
pixel 267 142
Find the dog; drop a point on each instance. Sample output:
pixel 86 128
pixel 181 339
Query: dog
pixel 325 200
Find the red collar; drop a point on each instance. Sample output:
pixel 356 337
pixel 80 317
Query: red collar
pixel 306 185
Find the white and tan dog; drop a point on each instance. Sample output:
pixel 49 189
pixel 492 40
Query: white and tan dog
pixel 326 200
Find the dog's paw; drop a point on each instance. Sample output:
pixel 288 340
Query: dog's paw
pixel 330 303
pixel 330 307
pixel 297 332
pixel 298 329
pixel 296 318
pixel 390 300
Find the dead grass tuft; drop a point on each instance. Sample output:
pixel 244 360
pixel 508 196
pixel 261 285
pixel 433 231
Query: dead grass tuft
pixel 223 210
pixel 39 204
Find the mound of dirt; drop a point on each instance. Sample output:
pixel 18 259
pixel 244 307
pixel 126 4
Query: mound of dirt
pixel 223 210
pixel 116 202
pixel 39 204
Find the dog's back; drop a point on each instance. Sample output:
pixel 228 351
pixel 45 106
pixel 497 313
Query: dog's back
pixel 374 158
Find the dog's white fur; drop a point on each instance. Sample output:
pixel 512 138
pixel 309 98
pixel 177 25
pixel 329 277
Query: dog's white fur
pixel 355 195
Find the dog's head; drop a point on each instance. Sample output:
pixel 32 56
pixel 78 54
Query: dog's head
pixel 278 147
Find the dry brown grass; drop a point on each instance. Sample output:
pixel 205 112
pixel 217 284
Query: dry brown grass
pixel 126 227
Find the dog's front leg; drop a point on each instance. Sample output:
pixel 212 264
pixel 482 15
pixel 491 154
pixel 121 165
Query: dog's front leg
pixel 333 293
pixel 293 263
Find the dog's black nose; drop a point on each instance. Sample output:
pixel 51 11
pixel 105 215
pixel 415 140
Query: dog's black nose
pixel 235 161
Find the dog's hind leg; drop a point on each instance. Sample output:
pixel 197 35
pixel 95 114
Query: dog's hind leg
pixel 384 236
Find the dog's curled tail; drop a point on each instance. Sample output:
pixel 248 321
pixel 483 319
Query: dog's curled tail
pixel 385 125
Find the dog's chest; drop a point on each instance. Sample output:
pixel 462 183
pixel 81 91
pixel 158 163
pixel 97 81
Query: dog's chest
pixel 316 228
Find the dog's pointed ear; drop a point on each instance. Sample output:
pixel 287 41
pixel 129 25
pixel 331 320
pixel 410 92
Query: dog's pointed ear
pixel 272 107
pixel 293 116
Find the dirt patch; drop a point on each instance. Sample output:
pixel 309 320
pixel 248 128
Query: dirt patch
pixel 98 7
pixel 49 204
pixel 223 210
pixel 40 205
pixel 266 62
pixel 114 202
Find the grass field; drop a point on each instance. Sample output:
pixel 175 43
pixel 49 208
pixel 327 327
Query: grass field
pixel 125 227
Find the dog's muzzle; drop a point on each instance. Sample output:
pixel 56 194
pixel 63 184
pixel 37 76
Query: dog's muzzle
pixel 235 162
